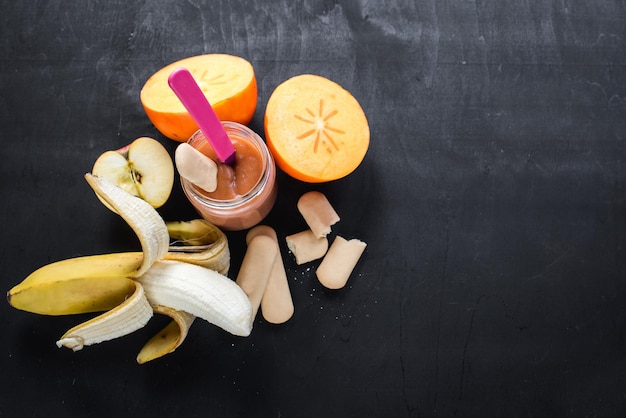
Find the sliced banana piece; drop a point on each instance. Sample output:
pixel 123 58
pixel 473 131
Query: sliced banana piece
pixel 169 338
pixel 133 314
pixel 201 292
pixel 140 216
pixel 196 167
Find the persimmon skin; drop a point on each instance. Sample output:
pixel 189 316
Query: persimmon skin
pixel 173 121
pixel 315 129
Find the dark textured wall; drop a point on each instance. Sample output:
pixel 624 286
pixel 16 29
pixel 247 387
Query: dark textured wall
pixel 492 199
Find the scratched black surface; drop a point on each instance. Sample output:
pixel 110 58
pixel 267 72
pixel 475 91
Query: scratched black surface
pixel 493 200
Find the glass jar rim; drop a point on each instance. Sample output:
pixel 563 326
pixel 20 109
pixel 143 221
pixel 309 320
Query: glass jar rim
pixel 248 134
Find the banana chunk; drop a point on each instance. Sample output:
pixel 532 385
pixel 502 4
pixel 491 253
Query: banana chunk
pixel 276 304
pixel 196 167
pixel 201 292
pixel 338 264
pixel 306 247
pixel 317 212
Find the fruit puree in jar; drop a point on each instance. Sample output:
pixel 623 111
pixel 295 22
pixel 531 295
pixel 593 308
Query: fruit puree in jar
pixel 239 178
pixel 246 191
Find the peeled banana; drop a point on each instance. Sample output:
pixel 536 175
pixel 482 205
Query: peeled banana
pixel 201 292
pixel 184 280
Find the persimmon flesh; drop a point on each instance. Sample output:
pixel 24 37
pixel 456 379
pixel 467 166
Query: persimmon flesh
pixel 228 82
pixel 315 129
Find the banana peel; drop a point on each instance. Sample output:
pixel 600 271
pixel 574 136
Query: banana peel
pixel 110 283
pixel 78 285
pixel 169 338
pixel 199 242
pixel 127 317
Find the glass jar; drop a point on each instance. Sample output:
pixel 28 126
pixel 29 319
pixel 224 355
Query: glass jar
pixel 248 208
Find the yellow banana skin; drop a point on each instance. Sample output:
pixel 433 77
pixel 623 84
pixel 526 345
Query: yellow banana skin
pixel 129 316
pixel 194 232
pixel 169 338
pixel 101 282
pixel 77 285
pixel 202 243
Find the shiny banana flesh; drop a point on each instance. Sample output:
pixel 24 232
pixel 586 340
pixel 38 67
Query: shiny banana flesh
pixel 201 292
pixel 197 242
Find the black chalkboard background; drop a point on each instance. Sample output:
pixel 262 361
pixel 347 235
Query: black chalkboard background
pixel 492 199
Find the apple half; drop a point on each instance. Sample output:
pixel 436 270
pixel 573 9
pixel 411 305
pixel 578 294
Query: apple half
pixel 144 169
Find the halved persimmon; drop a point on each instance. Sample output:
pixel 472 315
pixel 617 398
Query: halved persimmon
pixel 315 129
pixel 228 82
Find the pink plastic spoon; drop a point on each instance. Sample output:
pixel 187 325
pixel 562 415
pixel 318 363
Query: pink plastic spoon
pixel 185 87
